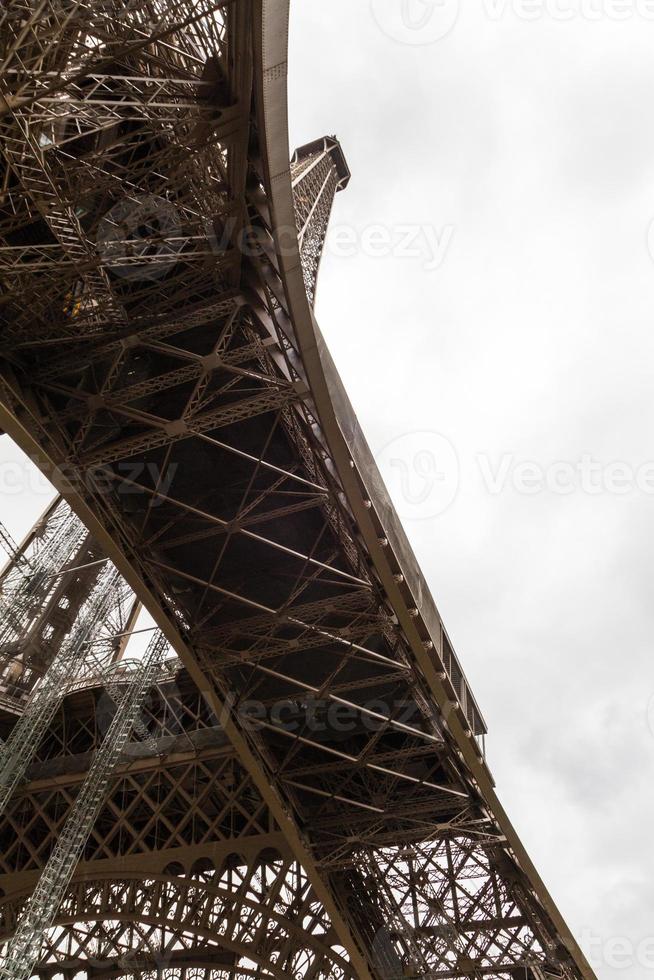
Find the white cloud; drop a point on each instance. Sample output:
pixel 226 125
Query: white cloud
pixel 533 141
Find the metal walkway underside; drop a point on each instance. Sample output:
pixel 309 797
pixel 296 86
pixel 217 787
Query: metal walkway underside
pixel 317 802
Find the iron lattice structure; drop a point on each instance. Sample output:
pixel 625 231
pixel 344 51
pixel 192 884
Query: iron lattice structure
pixel 43 590
pixel 319 804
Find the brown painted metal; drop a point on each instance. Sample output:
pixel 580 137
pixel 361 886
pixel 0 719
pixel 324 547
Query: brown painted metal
pixel 185 829
pixel 173 384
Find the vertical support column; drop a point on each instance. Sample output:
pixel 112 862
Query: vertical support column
pixel 27 588
pixel 47 582
pixel 42 907
pixel 18 751
pixel 318 171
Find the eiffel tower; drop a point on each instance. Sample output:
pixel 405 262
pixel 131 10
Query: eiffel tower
pixel 289 781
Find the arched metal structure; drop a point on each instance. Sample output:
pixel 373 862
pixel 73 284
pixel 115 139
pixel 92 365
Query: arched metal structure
pixel 185 870
pixel 251 917
pixel 169 376
pixel 42 591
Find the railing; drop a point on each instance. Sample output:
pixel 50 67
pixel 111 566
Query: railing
pixel 42 907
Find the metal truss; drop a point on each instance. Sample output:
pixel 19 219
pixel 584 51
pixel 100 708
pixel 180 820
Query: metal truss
pixel 188 799
pixel 246 918
pixel 447 912
pixel 43 904
pixel 200 856
pixel 29 580
pixel 42 591
pixel 18 751
pixel 192 808
pixel 11 548
pixel 58 152
pixel 318 171
pixel 168 366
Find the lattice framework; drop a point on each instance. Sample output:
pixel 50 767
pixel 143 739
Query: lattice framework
pixel 159 364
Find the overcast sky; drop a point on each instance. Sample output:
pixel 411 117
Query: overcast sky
pixel 526 148
pixel 487 293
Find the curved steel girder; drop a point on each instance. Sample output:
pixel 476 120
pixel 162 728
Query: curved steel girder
pixel 33 438
pixel 271 79
pixel 262 909
pixel 129 568
pixel 271 86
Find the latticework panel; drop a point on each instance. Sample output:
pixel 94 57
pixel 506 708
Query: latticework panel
pixel 315 185
pixel 44 591
pixel 196 802
pixel 160 365
pixel 255 918
pixel 110 160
